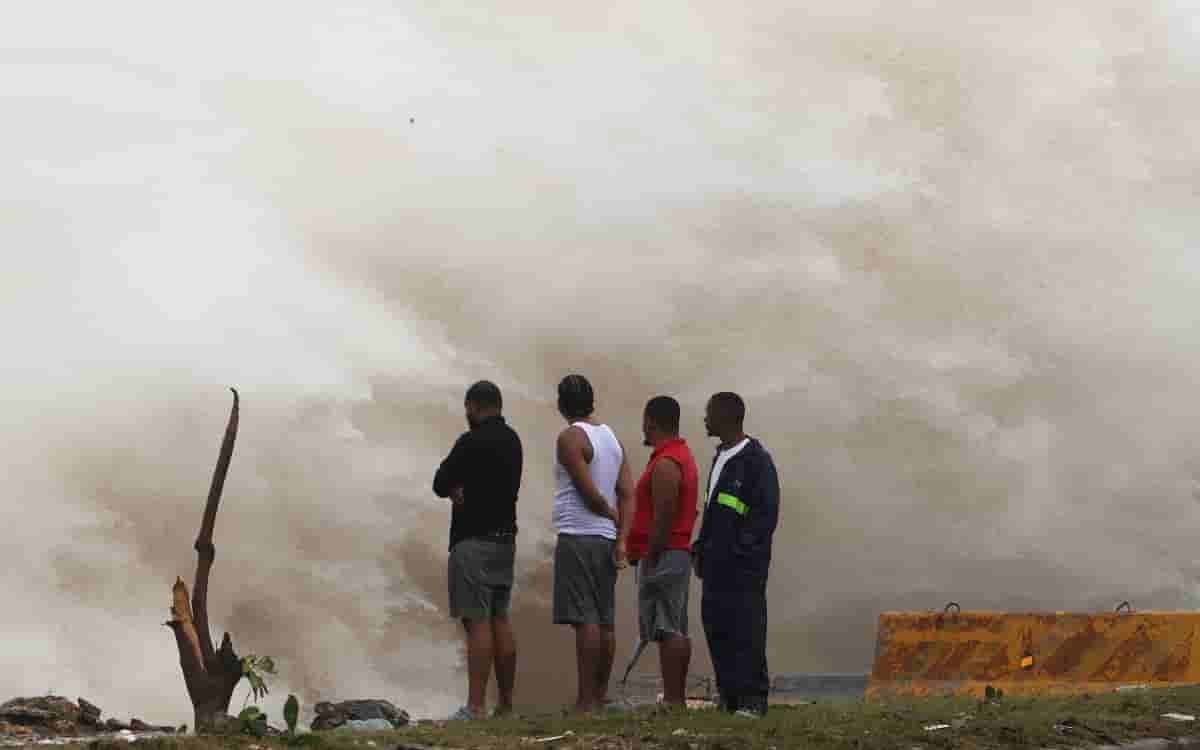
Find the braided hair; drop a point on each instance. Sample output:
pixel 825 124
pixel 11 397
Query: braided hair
pixel 575 397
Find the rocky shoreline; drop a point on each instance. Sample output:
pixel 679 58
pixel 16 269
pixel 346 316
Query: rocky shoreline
pixel 54 720
pixel 51 719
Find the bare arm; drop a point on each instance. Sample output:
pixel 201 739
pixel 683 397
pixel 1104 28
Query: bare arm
pixel 570 446
pixel 664 491
pixel 626 505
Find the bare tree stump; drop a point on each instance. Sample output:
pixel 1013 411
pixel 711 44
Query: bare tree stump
pixel 210 674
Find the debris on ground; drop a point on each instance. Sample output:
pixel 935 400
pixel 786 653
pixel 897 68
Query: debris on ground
pixel 333 715
pixel 366 725
pixel 1179 717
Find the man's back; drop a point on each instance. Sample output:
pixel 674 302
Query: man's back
pixel 571 515
pixel 486 461
pixel 684 520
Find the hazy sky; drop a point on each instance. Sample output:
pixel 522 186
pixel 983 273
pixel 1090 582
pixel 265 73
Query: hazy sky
pixel 946 251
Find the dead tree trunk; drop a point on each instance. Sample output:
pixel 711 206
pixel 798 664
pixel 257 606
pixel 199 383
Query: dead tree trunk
pixel 210 674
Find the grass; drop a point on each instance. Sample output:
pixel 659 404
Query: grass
pixel 1006 723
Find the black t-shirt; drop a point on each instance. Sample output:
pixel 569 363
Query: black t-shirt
pixel 486 461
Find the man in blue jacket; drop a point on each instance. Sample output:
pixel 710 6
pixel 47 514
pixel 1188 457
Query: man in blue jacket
pixel 732 556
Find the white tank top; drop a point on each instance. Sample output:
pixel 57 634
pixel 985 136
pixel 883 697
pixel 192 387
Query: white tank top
pixel 571 514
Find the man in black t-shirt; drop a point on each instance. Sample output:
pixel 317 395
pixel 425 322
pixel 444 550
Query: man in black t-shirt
pixel 482 477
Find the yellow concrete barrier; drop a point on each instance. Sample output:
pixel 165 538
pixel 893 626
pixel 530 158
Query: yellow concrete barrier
pixel 1038 653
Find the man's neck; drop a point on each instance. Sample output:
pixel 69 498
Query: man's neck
pixel 728 441
pixel 660 441
pixel 484 416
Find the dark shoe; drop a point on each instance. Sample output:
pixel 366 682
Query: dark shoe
pixel 752 707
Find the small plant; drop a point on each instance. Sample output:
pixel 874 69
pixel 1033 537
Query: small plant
pixel 255 669
pixel 252 721
pixel 291 714
pixel 993 694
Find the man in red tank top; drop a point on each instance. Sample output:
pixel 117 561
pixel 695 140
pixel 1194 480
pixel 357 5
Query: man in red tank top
pixel 660 543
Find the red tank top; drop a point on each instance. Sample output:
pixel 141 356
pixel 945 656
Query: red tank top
pixel 677 450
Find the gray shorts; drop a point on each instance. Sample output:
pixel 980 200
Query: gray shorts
pixel 480 575
pixel 663 596
pixel 585 580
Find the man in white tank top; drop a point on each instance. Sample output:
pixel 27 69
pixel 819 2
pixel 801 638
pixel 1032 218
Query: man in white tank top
pixel 593 511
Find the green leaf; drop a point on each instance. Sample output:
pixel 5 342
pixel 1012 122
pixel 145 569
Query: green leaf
pixel 250 713
pixel 256 685
pixel 291 713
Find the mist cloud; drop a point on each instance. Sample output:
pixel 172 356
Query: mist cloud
pixel 947 255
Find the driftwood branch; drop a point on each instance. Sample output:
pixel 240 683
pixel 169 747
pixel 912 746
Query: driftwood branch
pixel 210 675
pixel 206 553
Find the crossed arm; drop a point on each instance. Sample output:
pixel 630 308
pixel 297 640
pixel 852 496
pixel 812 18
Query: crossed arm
pixel 448 480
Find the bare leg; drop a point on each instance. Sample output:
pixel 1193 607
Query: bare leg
pixel 589 652
pixel 674 655
pixel 479 663
pixel 504 645
pixel 604 667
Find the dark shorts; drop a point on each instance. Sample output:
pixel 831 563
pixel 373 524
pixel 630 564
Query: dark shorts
pixel 585 581
pixel 480 575
pixel 663 596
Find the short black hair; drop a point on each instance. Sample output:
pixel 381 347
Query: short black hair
pixel 575 397
pixel 485 393
pixel 730 407
pixel 664 412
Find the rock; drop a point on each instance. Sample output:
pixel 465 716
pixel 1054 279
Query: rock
pixel 89 713
pixel 47 715
pixel 113 725
pixel 334 715
pixel 138 725
pixel 14 730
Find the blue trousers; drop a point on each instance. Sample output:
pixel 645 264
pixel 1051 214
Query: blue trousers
pixel 735 624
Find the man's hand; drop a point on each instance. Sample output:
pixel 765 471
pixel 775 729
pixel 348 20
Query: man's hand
pixel 620 554
pixel 456 496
